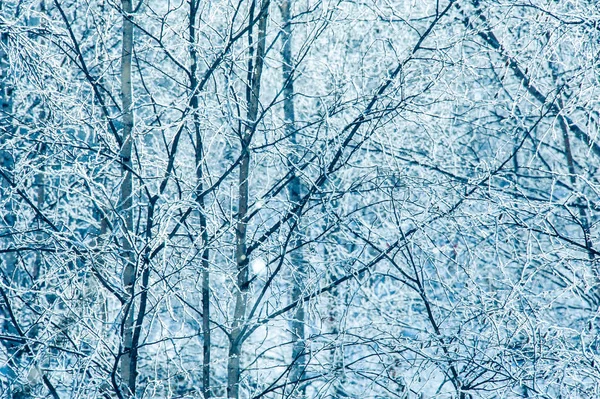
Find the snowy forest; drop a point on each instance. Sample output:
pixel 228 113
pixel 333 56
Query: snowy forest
pixel 303 199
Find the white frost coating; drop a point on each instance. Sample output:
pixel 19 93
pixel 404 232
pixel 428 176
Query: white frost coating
pixel 258 265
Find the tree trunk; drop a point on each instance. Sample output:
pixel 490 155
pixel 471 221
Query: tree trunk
pixel 255 65
pixel 294 191
pixel 128 360
pixel 6 159
pixel 206 335
pixel 40 200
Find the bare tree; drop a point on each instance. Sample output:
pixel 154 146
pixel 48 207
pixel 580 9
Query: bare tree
pixel 199 163
pixel 256 46
pixel 125 207
pixel 295 189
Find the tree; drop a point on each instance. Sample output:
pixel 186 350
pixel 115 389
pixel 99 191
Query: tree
pixel 301 199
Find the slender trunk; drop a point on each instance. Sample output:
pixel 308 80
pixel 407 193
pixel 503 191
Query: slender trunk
pixel 128 360
pixel 294 191
pixel 255 65
pixel 206 335
pixel 338 388
pixel 7 217
pixel 6 159
pixel 334 317
pixel 95 286
pixel 583 215
pixel 40 199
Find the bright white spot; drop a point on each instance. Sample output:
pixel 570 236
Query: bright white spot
pixel 259 204
pixel 259 266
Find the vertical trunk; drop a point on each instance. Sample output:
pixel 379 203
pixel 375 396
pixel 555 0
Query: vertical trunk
pixel 337 350
pixel 95 286
pixel 206 335
pixel 583 215
pixel 6 159
pixel 255 65
pixel 40 199
pixel 294 191
pixel 128 360
pixel 335 315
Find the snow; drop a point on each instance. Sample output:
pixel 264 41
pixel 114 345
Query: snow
pixel 259 266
